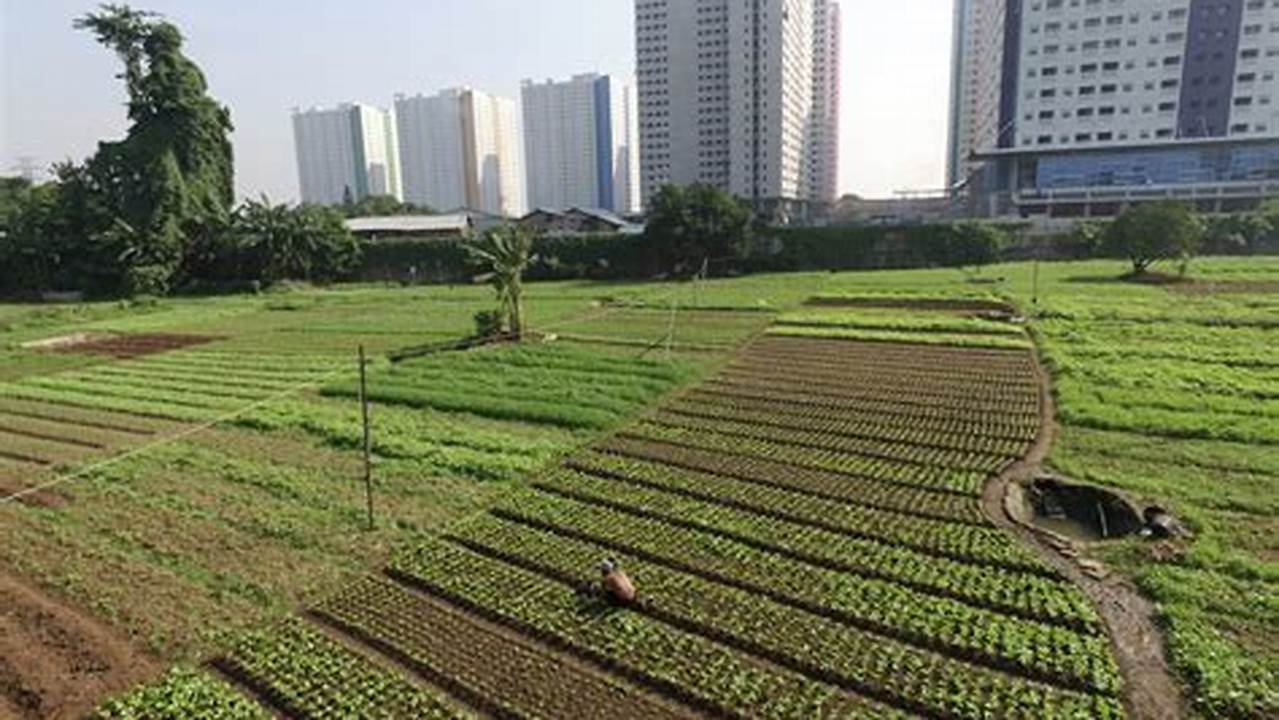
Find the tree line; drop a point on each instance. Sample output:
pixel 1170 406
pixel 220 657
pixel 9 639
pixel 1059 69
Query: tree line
pixel 156 210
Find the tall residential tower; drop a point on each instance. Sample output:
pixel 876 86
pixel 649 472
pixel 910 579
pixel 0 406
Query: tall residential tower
pixel 736 93
pixel 461 149
pixel 827 66
pixel 346 153
pixel 581 144
pixel 1081 107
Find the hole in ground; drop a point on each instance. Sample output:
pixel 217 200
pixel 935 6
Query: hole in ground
pixel 1081 512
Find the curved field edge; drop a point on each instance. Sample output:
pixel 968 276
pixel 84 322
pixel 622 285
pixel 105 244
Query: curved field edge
pixel 1170 431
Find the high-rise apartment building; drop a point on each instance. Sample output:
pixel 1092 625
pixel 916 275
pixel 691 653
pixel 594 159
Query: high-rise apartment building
pixel 976 66
pixel 581 145
pixel 1080 107
pixel 461 149
pixel 728 95
pixel 827 45
pixel 346 153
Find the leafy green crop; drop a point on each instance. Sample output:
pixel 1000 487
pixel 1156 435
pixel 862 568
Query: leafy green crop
pixel 182 694
pixel 307 674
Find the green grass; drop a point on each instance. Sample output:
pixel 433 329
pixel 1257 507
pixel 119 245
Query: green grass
pixel 561 385
pixel 898 320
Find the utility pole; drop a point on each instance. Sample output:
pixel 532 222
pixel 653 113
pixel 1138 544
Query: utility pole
pixel 697 282
pixel 368 445
pixel 1039 250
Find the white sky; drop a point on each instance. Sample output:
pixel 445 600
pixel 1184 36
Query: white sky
pixel 59 96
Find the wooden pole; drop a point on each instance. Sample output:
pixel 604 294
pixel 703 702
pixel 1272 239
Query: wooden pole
pixel 1035 296
pixel 670 331
pixel 368 442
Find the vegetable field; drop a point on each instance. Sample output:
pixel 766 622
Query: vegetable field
pixel 50 423
pixel 791 468
pixel 807 543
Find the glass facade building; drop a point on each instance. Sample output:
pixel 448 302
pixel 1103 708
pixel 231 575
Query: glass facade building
pixel 1166 166
pixel 1085 106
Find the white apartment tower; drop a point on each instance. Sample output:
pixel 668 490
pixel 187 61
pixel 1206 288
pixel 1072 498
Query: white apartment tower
pixel 461 149
pixel 1071 108
pixel 976 69
pixel 827 44
pixel 346 153
pixel 729 95
pixel 581 144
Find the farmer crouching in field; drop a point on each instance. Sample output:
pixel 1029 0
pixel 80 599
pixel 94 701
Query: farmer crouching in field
pixel 618 588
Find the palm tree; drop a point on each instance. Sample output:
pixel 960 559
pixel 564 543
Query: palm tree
pixel 503 254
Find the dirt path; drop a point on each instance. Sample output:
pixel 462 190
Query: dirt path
pixel 1150 690
pixel 56 661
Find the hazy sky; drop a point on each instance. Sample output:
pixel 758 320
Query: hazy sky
pixel 59 94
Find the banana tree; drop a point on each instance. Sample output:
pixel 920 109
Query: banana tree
pixel 503 254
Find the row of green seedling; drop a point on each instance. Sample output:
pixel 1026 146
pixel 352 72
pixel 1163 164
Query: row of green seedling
pixel 671 565
pixel 940 479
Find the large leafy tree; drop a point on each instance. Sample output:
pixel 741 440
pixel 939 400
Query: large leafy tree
pixel 976 244
pixel 502 255
pixel 169 181
pixel 1148 233
pixel 13 192
pixel 695 224
pixel 267 242
pixel 1241 232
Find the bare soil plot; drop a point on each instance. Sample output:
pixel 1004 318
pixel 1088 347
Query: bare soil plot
pixel 132 346
pixel 56 661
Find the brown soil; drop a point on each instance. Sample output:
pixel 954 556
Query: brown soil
pixel 18 476
pixel 1150 691
pixel 133 346
pixel 38 498
pixel 56 661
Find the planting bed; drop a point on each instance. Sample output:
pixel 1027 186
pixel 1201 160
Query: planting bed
pixel 483 663
pixel 806 535
pixel 822 521
pixel 56 422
